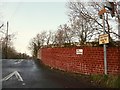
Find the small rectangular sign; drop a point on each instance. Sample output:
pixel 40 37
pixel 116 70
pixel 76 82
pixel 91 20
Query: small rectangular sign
pixel 79 51
pixel 103 39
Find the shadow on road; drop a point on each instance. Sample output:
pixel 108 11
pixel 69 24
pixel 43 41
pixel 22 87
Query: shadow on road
pixel 36 75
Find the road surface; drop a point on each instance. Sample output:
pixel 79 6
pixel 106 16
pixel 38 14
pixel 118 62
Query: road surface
pixel 35 76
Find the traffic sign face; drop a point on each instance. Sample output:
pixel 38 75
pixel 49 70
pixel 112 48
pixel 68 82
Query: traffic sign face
pixel 103 39
pixel 102 11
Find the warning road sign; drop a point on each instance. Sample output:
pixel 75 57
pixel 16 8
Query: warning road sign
pixel 103 39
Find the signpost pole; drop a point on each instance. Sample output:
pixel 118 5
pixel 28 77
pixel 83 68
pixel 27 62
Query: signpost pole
pixel 105 51
pixel 110 6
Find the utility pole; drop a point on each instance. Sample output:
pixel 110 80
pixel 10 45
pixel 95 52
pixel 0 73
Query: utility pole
pixel 6 54
pixel 1 43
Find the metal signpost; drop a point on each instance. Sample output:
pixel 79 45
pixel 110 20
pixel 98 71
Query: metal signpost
pixel 105 37
pixel 105 55
pixel 105 51
pixel 111 6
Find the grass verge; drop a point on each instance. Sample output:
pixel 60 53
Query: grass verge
pixel 107 81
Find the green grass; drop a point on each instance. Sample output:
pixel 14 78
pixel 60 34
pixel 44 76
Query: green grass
pixel 107 81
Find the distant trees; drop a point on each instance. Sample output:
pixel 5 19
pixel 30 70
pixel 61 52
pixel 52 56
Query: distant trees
pixel 86 22
pixel 37 42
pixel 7 50
pixel 61 35
pixel 6 46
pixel 10 52
pixel 64 34
pixel 84 27
pixel 109 27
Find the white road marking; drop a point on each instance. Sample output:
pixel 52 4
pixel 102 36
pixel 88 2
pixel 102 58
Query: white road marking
pixel 19 61
pixel 10 75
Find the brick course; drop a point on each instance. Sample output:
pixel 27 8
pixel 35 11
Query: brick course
pixel 91 62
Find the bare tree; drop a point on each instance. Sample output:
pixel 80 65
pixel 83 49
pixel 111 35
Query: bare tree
pixel 86 22
pixel 113 34
pixel 37 42
pixel 59 37
pixel 49 36
pixel 67 33
pixel 82 23
pixel 11 52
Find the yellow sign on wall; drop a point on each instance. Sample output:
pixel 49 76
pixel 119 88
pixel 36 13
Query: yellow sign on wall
pixel 103 39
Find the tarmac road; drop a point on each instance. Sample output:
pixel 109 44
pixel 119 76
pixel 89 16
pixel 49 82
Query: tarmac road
pixel 35 76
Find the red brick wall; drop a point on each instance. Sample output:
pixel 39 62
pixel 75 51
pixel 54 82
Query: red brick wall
pixel 91 62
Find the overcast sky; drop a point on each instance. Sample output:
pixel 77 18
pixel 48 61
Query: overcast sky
pixel 26 19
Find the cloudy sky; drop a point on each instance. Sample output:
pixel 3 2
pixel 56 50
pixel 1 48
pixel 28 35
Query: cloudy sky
pixel 26 19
